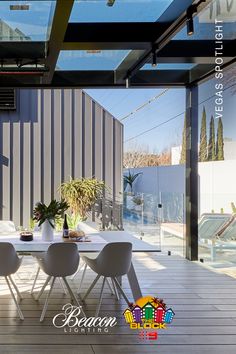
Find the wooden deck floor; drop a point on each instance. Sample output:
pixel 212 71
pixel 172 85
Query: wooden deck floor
pixel 204 303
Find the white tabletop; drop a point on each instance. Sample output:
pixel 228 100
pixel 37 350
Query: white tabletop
pixel 96 244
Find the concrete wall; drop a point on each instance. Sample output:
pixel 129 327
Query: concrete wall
pixel 54 134
pixel 217 183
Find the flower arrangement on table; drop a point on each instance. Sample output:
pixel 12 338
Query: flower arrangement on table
pixel 51 212
pixel 46 215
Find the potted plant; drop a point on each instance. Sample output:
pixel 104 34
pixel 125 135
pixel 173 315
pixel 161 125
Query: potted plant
pixel 81 194
pixel 138 201
pixel 129 180
pixel 46 216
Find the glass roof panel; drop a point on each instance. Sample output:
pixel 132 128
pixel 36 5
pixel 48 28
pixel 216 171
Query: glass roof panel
pixel 204 23
pixel 26 20
pixel 118 11
pixel 171 66
pixel 90 59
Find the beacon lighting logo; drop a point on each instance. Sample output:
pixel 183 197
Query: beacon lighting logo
pixel 148 315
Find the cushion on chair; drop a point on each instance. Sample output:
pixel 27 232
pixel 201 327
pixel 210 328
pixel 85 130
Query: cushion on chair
pixel 7 226
pixel 88 227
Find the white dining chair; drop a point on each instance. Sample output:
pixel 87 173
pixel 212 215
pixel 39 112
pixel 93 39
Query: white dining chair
pixel 7 226
pixel 112 262
pixel 60 261
pixel 9 264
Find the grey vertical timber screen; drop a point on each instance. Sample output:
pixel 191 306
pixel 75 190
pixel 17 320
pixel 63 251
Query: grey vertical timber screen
pixel 52 135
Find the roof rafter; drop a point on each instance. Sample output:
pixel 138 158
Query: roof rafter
pixel 59 25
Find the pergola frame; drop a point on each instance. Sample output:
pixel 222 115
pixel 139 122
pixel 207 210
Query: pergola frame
pixel 144 40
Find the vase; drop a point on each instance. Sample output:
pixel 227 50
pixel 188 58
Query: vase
pixel 47 231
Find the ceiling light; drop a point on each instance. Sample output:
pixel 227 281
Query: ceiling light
pixel 189 22
pixel 154 59
pixel 190 26
pixel 110 2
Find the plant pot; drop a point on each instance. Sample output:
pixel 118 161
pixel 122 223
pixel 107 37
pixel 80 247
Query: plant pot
pixel 138 207
pixel 47 231
pixel 129 201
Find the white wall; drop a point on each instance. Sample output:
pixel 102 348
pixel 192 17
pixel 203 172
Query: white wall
pixel 159 179
pixel 217 183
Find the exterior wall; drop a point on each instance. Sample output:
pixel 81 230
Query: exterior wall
pixel 159 179
pixel 213 193
pixel 54 134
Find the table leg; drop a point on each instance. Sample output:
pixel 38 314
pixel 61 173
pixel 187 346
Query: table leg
pixel 134 284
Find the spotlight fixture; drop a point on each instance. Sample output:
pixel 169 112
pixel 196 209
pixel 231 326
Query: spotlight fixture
pixel 190 26
pixel 110 2
pixel 189 22
pixel 154 59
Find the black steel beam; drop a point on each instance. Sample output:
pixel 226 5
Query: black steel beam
pixel 22 50
pixel 177 11
pixel 106 36
pixel 162 78
pixel 191 173
pixel 99 79
pixel 194 51
pixel 59 25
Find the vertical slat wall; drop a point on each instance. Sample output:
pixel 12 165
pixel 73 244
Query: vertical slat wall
pixel 54 134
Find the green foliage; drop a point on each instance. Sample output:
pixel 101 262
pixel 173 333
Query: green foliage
pixel 203 138
pixel 129 179
pixel 32 223
pixel 222 210
pixel 211 144
pixel 220 141
pixel 137 200
pixel 183 148
pixel 59 223
pixel 233 207
pixel 43 212
pixel 81 194
pixel 73 221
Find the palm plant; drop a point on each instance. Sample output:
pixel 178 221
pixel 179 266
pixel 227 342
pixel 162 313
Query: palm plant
pixel 129 180
pixel 81 194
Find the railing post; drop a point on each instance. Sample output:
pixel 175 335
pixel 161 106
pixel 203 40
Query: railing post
pixel 191 193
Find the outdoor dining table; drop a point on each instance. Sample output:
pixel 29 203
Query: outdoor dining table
pixel 94 244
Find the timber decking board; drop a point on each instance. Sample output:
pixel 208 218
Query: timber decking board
pixel 204 303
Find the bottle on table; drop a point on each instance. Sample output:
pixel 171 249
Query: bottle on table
pixel 65 228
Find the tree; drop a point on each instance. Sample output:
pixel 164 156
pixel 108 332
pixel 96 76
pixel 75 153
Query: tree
pixel 140 156
pixel 183 148
pixel 211 144
pixel 203 138
pixel 220 141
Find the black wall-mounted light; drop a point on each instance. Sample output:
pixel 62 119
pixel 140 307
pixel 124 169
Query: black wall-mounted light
pixel 110 2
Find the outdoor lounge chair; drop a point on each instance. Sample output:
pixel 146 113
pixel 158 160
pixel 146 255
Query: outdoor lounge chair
pixel 226 237
pixel 209 229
